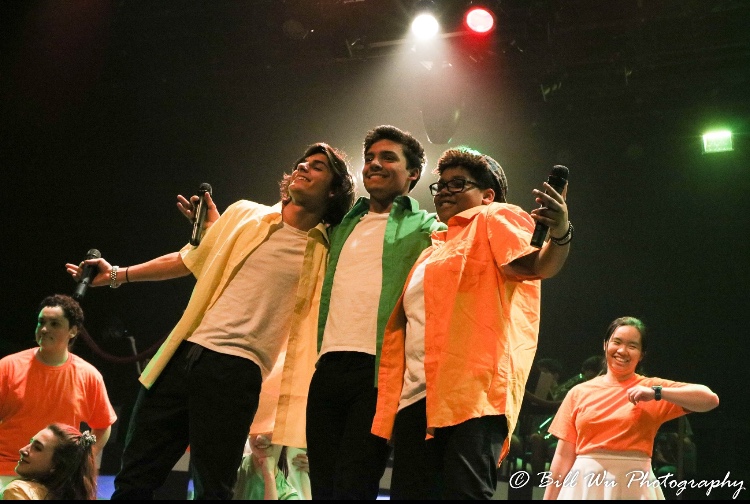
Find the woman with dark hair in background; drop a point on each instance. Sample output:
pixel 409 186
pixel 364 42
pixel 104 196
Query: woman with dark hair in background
pixel 57 464
pixel 606 426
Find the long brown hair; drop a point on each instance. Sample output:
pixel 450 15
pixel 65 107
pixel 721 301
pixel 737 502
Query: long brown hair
pixel 74 474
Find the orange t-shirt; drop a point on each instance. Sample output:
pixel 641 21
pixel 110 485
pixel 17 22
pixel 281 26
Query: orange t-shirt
pixel 481 325
pixel 597 415
pixel 34 395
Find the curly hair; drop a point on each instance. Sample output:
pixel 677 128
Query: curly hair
pixel 74 475
pixel 486 171
pixel 413 150
pixel 71 310
pixel 342 185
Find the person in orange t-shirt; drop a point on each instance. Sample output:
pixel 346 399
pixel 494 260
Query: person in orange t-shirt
pixel 48 384
pixel 606 426
pixel 459 345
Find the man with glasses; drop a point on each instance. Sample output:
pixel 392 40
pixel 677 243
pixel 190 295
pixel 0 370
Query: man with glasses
pixel 259 270
pixel 459 345
pixel 372 251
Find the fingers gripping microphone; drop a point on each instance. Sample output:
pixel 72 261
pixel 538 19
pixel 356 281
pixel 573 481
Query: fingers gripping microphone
pixel 87 275
pixel 557 179
pixel 200 214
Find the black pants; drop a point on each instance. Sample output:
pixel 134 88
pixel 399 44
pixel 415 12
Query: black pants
pixel 203 399
pixel 346 460
pixel 460 462
pixel 414 475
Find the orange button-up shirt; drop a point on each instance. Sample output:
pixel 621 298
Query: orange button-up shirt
pixel 481 323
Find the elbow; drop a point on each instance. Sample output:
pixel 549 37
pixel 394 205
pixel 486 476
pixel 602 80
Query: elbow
pixel 713 401
pixel 710 402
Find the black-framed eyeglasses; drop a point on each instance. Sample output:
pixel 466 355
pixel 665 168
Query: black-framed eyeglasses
pixel 454 186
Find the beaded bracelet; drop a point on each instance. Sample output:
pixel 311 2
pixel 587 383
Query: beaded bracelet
pixel 565 239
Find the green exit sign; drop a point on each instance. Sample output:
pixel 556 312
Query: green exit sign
pixel 717 141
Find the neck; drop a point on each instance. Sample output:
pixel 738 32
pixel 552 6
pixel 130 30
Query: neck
pixel 382 205
pixel 52 358
pixel 616 378
pixel 300 217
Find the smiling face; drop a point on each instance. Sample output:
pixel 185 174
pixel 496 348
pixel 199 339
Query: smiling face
pixel 386 174
pixel 53 331
pixel 36 457
pixel 310 182
pixel 623 351
pixel 448 204
pixel 262 447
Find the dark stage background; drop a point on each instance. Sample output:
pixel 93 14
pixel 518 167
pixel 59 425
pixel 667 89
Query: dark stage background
pixel 111 108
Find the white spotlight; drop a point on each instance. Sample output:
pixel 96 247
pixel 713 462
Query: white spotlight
pixel 425 26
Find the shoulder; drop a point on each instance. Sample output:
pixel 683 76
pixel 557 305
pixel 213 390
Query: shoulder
pixel 18 357
pixel 248 208
pixel 24 490
pixel 591 386
pixel 508 214
pixel 428 220
pixel 85 367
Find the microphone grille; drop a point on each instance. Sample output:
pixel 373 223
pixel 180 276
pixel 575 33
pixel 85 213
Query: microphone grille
pixel 93 254
pixel 560 171
pixel 205 188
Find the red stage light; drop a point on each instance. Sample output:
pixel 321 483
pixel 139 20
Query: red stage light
pixel 479 20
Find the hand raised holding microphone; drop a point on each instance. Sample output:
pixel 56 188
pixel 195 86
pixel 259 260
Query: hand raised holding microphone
pixel 552 215
pixel 94 271
pixel 200 210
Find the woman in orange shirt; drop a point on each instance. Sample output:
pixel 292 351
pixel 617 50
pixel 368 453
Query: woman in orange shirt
pixel 606 426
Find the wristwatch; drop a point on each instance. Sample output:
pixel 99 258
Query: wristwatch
pixel 657 392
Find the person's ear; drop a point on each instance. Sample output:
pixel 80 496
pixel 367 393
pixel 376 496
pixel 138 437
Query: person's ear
pixel 488 196
pixel 415 173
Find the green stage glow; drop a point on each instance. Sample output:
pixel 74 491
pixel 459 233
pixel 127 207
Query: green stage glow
pixel 717 141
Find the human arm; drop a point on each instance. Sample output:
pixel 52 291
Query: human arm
pixel 102 436
pixel 299 472
pixel 267 466
pixel 562 462
pixel 548 260
pixel 165 267
pixel 188 207
pixel 691 396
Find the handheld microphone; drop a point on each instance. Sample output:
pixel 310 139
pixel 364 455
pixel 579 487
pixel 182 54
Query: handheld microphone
pixel 557 179
pixel 87 275
pixel 200 214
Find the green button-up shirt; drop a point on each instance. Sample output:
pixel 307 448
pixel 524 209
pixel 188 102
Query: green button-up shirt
pixel 407 233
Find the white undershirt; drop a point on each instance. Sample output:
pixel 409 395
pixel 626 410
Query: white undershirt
pixel 253 316
pixel 352 321
pixel 415 387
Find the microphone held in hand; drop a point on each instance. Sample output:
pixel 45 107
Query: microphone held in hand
pixel 557 179
pixel 200 214
pixel 87 275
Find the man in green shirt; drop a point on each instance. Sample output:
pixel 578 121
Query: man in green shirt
pixel 372 251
